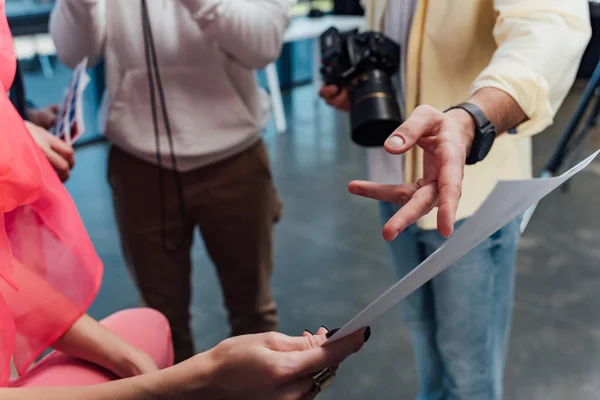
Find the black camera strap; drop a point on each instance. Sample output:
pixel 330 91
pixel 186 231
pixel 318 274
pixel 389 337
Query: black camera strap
pixel 154 79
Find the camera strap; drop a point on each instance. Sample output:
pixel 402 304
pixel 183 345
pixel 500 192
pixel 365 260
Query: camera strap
pixel 154 80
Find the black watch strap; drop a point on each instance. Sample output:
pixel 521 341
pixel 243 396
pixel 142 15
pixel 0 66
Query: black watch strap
pixel 485 133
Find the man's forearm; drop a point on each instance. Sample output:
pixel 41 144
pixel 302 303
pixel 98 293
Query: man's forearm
pixel 499 107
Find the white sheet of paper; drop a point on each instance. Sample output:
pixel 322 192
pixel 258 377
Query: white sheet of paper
pixel 508 200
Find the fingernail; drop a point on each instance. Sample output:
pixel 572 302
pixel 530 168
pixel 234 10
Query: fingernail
pixel 393 237
pixel 395 142
pixel 306 330
pixel 367 334
pixel 356 191
pixel 331 333
pixel 324 327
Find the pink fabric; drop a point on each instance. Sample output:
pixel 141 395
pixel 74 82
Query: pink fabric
pixel 49 270
pixel 144 328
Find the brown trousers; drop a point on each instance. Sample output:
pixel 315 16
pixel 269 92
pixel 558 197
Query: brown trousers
pixel 233 203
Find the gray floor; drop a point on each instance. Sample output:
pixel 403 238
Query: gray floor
pixel 331 261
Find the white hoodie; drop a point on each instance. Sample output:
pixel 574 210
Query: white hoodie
pixel 207 51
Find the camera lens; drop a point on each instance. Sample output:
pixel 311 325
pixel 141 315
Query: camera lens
pixel 375 112
pixel 365 63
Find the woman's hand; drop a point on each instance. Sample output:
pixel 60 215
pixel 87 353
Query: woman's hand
pixel 44 117
pixel 59 153
pixel 269 366
pixel 336 97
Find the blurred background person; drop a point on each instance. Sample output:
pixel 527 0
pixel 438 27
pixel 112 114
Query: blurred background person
pixel 185 119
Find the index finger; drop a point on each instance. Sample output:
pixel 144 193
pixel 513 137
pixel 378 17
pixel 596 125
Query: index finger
pixel 398 194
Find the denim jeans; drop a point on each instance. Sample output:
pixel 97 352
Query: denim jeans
pixel 460 320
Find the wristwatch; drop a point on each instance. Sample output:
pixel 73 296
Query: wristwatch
pixel 485 133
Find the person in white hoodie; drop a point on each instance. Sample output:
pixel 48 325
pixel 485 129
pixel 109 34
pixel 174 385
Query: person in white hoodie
pixel 185 120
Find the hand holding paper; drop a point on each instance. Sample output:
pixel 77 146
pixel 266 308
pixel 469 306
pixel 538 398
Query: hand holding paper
pixel 59 153
pixel 508 200
pixel 45 117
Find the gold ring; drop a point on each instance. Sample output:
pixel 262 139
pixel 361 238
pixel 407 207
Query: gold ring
pixel 323 379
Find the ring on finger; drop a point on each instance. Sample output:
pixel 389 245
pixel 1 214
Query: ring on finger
pixel 322 379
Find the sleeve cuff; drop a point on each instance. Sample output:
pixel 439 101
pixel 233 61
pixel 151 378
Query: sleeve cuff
pixel 527 88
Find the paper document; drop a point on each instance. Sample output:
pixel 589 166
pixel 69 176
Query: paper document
pixel 507 201
pixel 70 124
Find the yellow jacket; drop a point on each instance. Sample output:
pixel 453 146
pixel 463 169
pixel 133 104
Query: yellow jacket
pixel 530 49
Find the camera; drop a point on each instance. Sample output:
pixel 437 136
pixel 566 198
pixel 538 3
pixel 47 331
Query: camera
pixel 364 63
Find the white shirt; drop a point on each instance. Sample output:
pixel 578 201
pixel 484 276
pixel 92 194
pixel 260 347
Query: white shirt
pixel 207 51
pixel 384 167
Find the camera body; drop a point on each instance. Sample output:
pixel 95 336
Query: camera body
pixel 364 63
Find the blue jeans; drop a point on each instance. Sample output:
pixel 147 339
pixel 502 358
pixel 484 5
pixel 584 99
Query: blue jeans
pixel 460 320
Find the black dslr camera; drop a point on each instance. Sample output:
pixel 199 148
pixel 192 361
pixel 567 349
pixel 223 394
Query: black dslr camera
pixel 365 63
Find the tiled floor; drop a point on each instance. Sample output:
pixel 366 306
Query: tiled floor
pixel 331 261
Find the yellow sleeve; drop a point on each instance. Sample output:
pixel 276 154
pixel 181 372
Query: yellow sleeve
pixel 540 45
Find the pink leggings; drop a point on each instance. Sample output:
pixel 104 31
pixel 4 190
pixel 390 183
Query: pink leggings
pixel 144 328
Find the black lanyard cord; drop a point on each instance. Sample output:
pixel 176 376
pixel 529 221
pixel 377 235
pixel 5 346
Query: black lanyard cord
pixel 154 78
